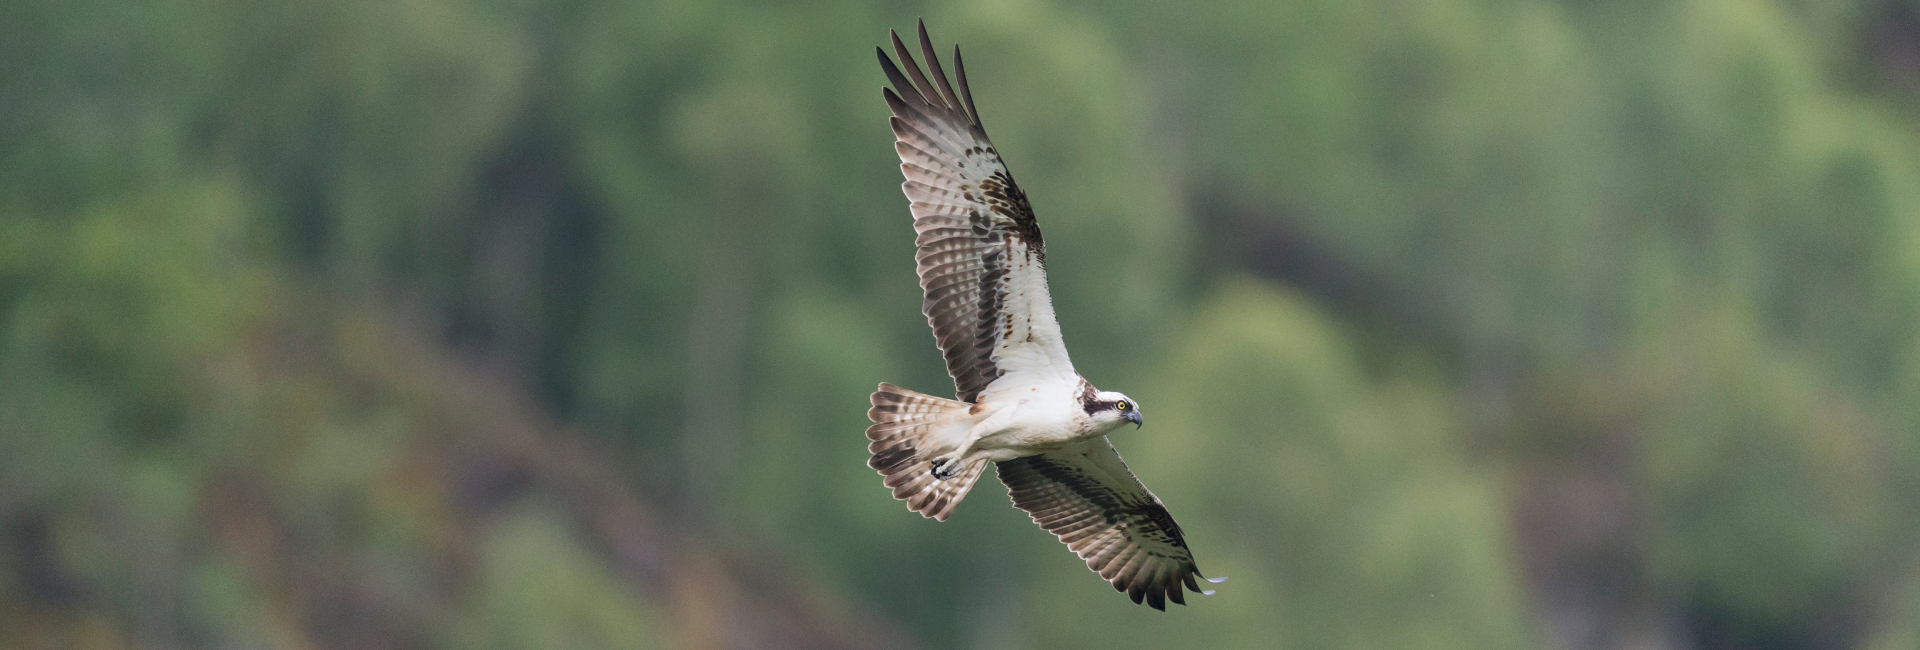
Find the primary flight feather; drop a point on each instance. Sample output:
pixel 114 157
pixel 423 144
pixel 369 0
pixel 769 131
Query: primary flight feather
pixel 1019 404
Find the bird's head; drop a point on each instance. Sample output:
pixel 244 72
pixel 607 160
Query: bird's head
pixel 1109 410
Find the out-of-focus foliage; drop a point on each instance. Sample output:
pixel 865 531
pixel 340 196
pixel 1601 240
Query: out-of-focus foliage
pixel 466 324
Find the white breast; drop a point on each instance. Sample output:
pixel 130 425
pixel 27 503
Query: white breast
pixel 1042 417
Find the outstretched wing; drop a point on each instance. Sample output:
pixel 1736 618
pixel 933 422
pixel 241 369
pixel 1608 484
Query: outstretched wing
pixel 982 263
pixel 1086 496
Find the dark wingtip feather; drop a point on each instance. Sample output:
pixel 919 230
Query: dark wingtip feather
pixel 921 86
pixel 966 91
pixel 894 102
pixel 933 66
pixel 900 49
pixel 894 75
pixel 903 110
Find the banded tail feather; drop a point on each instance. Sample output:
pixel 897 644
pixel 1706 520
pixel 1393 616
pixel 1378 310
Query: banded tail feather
pixel 905 437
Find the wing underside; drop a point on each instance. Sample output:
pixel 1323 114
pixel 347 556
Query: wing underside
pixel 1086 496
pixel 981 260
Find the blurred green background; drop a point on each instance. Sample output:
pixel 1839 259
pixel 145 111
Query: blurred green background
pixel 1579 324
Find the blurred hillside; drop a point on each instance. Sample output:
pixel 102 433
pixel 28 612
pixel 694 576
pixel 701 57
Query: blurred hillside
pixel 469 324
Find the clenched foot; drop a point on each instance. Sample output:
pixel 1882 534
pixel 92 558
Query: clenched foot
pixel 946 468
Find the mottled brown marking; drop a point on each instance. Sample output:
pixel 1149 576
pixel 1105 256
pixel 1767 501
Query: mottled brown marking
pixel 1006 199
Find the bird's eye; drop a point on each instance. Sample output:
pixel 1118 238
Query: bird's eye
pixel 1122 405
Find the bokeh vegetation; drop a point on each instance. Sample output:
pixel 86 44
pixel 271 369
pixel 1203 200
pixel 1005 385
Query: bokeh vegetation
pixel 490 324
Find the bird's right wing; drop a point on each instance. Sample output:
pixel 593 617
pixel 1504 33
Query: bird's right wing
pixel 981 261
pixel 1086 496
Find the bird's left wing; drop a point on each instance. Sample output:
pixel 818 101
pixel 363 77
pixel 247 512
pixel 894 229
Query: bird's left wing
pixel 1085 495
pixel 982 263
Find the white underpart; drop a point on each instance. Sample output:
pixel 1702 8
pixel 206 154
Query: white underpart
pixel 1032 352
pixel 1034 406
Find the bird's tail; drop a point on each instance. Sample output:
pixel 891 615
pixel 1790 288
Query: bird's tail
pixel 908 433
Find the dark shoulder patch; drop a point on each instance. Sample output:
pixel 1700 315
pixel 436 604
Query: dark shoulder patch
pixel 1087 400
pixel 1006 199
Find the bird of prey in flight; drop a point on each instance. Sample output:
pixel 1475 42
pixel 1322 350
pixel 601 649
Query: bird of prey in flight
pixel 1019 405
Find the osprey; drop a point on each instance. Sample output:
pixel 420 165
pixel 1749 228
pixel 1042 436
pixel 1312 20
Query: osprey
pixel 1020 404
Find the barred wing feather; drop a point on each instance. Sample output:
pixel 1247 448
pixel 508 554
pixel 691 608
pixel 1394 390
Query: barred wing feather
pixel 1086 496
pixel 981 260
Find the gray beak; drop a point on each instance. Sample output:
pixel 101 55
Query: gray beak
pixel 1135 417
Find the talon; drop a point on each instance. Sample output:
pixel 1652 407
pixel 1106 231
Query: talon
pixel 943 469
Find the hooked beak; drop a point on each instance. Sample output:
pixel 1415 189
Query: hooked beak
pixel 1135 417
